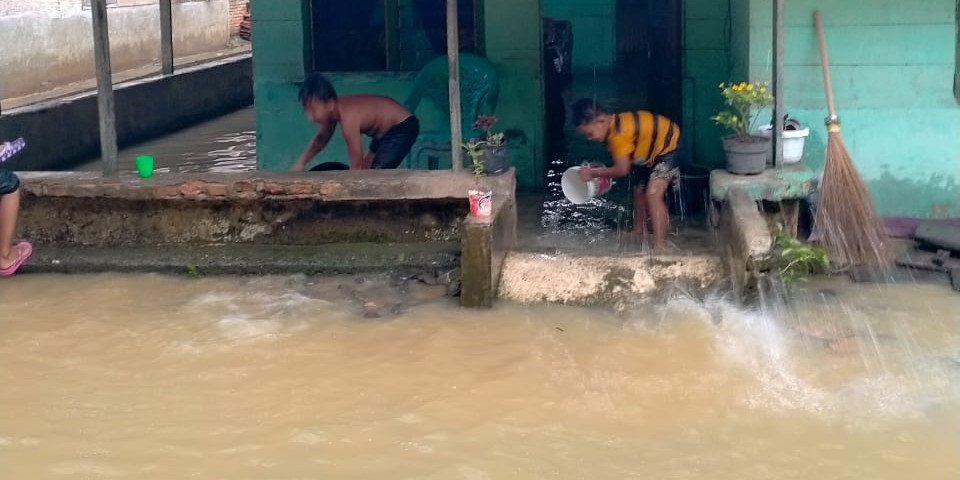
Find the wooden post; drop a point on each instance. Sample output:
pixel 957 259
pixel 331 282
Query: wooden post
pixel 778 107
pixel 453 61
pixel 105 108
pixel 166 37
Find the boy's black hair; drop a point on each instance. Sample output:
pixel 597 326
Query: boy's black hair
pixel 316 87
pixel 585 111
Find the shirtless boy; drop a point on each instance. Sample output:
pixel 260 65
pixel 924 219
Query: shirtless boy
pixel 392 127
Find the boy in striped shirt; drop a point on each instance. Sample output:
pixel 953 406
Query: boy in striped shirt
pixel 645 146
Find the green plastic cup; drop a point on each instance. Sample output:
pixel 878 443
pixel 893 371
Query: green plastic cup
pixel 144 166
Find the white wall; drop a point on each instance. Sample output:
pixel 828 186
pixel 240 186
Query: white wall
pixel 44 43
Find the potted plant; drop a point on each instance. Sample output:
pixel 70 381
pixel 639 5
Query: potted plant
pixel 746 153
pixel 490 146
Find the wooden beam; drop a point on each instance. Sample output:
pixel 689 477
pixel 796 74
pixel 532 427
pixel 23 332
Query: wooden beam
pixel 778 107
pixel 166 37
pixel 453 61
pixel 105 106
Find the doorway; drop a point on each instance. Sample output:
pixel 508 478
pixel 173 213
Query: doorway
pixel 649 46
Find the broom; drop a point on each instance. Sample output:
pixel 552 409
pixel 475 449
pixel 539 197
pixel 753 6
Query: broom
pixel 846 223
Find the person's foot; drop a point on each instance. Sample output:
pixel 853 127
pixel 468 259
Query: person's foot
pixel 19 254
pixel 665 248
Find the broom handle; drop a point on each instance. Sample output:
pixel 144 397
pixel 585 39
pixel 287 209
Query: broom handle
pixel 825 64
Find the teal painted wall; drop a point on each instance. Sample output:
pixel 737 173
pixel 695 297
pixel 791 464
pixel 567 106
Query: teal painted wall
pixel 594 30
pixel 279 54
pixel 514 45
pixel 893 66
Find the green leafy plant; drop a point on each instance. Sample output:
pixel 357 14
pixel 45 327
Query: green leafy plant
pixel 744 101
pixel 474 149
pixel 192 271
pixel 796 260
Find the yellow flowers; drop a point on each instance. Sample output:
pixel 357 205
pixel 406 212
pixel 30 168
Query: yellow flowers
pixel 744 101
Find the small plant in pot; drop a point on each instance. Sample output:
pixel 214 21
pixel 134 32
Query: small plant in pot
pixel 490 147
pixel 746 152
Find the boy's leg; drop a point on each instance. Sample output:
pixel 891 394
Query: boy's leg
pixel 640 212
pixel 655 192
pixel 394 147
pixel 639 178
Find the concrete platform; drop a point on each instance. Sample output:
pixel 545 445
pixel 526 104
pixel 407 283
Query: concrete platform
pixel 791 182
pixel 602 280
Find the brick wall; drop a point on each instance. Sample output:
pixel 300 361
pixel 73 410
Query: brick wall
pixel 237 9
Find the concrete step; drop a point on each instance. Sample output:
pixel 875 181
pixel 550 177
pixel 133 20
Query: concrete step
pixel 246 259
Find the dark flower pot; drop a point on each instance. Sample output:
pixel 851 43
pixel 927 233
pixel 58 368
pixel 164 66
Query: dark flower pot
pixel 495 160
pixel 746 156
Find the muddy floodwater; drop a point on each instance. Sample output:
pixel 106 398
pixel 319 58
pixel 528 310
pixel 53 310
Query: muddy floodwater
pixel 154 377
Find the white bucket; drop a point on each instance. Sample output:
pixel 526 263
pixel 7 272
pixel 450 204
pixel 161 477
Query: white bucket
pixel 578 191
pixel 793 141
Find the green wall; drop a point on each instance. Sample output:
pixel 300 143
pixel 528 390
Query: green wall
pixel 594 30
pixel 893 66
pixel 513 44
pixel 707 63
pixel 279 54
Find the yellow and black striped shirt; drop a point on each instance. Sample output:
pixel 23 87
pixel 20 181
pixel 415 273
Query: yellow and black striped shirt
pixel 642 136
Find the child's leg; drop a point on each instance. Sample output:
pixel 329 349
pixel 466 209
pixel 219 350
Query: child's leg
pixel 656 190
pixel 640 213
pixel 9 209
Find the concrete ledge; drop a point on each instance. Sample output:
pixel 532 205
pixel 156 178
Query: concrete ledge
pixel 745 240
pixel 535 278
pixel 320 186
pixel 64 132
pixel 67 209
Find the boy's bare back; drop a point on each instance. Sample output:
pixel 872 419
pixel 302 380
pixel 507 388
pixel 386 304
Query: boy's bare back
pixel 372 115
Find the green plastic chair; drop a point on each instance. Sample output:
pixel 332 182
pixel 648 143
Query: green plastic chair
pixel 479 88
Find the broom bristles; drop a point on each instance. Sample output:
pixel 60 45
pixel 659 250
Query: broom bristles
pixel 847 224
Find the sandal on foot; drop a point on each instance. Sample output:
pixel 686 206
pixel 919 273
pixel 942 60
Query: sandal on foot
pixel 24 251
pixel 11 148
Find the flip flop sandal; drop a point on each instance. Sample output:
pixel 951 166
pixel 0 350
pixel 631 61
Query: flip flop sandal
pixel 12 148
pixel 24 250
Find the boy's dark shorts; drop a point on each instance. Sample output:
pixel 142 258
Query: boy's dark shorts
pixel 395 145
pixel 666 167
pixel 9 182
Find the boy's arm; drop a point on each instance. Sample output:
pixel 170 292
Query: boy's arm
pixel 621 168
pixel 351 134
pixel 316 145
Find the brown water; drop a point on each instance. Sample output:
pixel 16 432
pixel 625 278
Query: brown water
pixel 153 377
pixel 225 144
